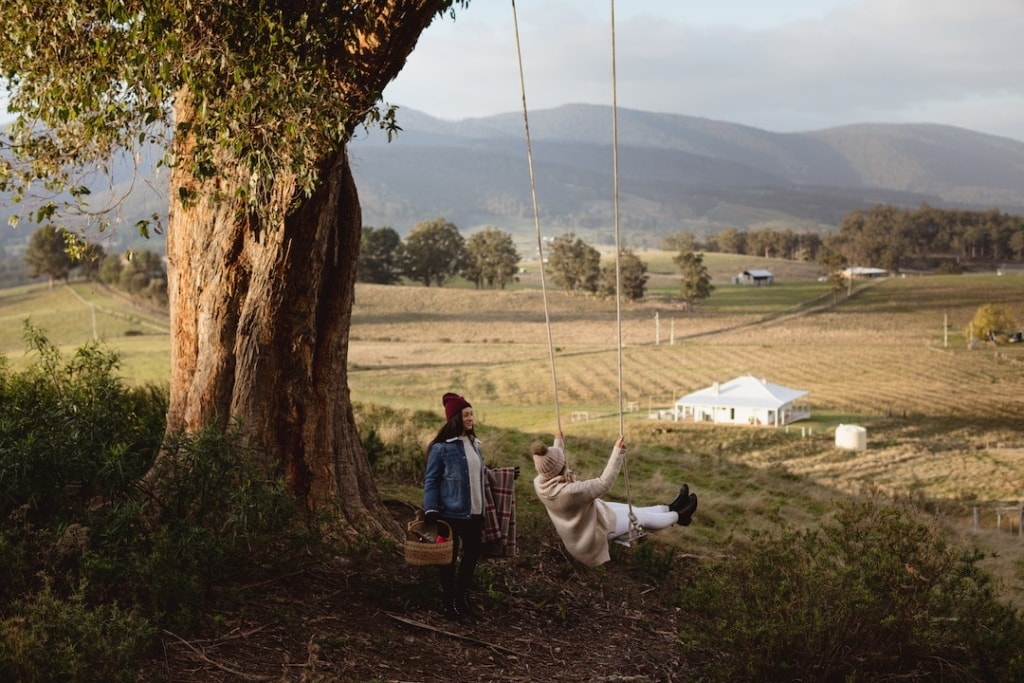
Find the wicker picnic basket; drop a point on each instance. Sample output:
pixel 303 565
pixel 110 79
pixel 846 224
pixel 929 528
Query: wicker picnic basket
pixel 423 552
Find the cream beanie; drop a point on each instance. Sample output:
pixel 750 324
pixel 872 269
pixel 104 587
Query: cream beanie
pixel 549 460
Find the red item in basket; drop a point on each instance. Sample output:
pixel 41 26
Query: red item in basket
pixel 440 539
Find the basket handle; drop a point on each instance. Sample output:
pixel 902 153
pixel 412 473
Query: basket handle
pixel 416 525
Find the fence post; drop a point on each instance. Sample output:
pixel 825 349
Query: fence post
pixel 1020 525
pixel 975 519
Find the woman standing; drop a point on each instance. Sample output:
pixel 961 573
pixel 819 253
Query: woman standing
pixel 454 491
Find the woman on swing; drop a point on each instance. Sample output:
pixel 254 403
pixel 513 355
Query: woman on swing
pixel 583 521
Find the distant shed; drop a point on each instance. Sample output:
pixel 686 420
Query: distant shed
pixel 754 276
pixel 864 272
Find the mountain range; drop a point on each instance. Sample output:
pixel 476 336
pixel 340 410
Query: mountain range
pixel 674 172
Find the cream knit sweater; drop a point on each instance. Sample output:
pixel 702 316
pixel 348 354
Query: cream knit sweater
pixel 581 519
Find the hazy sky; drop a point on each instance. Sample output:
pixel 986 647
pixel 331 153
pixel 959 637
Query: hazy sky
pixel 782 65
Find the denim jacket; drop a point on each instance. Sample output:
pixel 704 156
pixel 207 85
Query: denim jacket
pixel 446 483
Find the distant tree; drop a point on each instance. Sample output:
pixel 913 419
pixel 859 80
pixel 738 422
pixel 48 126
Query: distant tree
pixel 434 252
pixel 730 241
pixel 110 270
pixel 575 265
pixel 380 256
pixel 143 275
pixel 491 258
pixel 679 241
pixel 47 253
pixel 991 322
pixel 90 260
pixel 1017 243
pixel 632 274
pixel 808 247
pixel 762 242
pixel 696 281
pixel 833 263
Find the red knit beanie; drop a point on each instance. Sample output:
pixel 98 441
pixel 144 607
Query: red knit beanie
pixel 453 404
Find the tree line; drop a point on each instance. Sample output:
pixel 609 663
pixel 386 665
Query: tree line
pixel 434 252
pixel 883 236
pixel 58 254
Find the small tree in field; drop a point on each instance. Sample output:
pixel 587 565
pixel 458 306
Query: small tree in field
pixel 434 252
pixel 833 262
pixel 632 277
pixel 47 253
pixel 991 323
pixel 491 258
pixel 380 256
pixel 575 265
pixel 696 281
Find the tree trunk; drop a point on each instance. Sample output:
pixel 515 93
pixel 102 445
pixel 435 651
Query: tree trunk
pixel 260 320
pixel 260 314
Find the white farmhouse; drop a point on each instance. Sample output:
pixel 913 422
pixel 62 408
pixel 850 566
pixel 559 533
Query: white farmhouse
pixel 745 400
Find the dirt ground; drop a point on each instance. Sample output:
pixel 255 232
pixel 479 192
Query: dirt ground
pixel 545 618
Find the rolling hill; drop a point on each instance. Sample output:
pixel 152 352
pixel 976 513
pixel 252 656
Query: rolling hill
pixel 675 172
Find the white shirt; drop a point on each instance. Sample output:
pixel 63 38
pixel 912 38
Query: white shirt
pixel 476 465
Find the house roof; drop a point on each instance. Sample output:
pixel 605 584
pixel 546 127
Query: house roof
pixel 757 272
pixel 864 270
pixel 743 392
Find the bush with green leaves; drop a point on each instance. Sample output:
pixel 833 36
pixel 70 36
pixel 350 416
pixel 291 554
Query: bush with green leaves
pixel 72 433
pixel 879 593
pixel 109 529
pixel 395 441
pixel 215 515
pixel 50 638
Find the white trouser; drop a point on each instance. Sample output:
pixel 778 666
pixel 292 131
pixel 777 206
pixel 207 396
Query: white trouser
pixel 651 518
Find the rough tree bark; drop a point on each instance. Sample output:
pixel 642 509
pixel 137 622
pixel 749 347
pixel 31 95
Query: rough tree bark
pixel 261 313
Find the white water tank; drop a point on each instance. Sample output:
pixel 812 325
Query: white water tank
pixel 851 437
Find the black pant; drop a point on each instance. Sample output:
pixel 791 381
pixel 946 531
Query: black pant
pixel 457 577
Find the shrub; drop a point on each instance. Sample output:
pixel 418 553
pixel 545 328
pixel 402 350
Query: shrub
pixel 215 515
pixel 991 322
pixel 95 528
pixel 876 594
pixel 396 441
pixel 72 433
pixel 55 639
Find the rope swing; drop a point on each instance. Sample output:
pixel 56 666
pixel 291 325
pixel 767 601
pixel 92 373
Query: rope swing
pixel 536 220
pixel 635 532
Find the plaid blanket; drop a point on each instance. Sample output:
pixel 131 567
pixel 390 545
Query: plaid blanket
pixel 500 512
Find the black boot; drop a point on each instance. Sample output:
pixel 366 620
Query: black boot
pixel 686 512
pixel 453 613
pixel 681 499
pixel 465 607
pixel 448 593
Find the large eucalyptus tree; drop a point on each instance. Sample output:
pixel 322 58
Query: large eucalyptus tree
pixel 260 98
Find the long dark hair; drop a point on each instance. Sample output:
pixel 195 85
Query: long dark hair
pixel 451 429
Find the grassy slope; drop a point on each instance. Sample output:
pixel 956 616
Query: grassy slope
pixel 77 314
pixel 943 421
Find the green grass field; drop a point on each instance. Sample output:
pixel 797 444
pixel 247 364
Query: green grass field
pixel 943 420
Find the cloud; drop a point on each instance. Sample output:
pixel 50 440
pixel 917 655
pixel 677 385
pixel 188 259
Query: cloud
pixel 941 61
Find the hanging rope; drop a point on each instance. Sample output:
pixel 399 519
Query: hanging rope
pixel 633 522
pixel 536 220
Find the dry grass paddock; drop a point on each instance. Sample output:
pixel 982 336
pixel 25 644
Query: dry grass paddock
pixel 943 421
